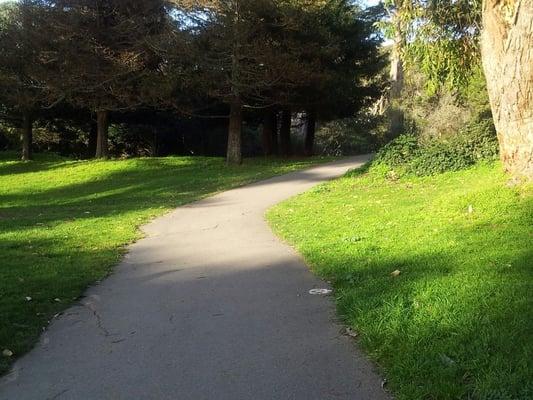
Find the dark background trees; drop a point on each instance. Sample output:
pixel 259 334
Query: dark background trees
pixel 103 56
pixel 229 62
pixel 258 76
pixel 21 93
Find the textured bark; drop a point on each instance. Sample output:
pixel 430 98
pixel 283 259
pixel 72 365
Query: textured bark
pixel 285 133
pixel 269 131
pixel 26 137
pixel 102 127
pixel 234 155
pixel 507 55
pixel 310 127
pixel 396 67
pixel 396 114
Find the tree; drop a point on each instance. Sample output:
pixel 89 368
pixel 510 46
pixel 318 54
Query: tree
pixel 270 131
pixel 104 55
pixel 335 53
pixel 238 58
pixel 398 16
pixel 20 92
pixel 310 128
pixel 507 54
pixel 444 42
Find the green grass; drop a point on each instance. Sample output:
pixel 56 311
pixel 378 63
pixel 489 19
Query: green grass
pixel 64 224
pixel 457 323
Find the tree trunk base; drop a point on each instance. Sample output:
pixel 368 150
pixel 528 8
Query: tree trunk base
pixel 27 137
pixel 507 55
pixel 234 151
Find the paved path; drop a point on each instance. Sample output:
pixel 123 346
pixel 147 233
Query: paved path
pixel 210 305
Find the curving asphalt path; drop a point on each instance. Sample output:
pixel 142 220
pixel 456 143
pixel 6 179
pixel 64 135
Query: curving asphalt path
pixel 209 306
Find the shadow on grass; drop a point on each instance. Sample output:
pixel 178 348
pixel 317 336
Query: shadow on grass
pixel 153 185
pixel 56 237
pixel 455 324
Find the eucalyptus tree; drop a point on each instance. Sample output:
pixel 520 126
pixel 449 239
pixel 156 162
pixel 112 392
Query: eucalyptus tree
pixel 507 55
pixel 447 38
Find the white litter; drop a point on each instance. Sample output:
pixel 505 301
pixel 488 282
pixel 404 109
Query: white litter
pixel 320 291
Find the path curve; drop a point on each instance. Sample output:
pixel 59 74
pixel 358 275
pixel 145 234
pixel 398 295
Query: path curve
pixel 209 306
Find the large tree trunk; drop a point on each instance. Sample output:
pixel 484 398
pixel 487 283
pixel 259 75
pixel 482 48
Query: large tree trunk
pixel 396 114
pixel 26 136
pixel 234 154
pixel 285 133
pixel 310 127
pixel 507 55
pixel 269 131
pixel 102 127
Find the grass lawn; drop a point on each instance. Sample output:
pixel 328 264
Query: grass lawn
pixel 457 322
pixel 64 224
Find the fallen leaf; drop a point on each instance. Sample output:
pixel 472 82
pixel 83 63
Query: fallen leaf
pixel 395 272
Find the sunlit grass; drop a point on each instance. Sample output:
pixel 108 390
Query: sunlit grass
pixel 457 323
pixel 64 224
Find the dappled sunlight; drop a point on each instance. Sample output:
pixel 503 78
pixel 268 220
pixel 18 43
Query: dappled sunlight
pixel 202 285
pixel 64 225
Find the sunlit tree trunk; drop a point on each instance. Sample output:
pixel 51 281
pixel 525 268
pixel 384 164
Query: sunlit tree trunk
pixel 234 155
pixel 26 136
pixel 507 55
pixel 102 128
pixel 396 114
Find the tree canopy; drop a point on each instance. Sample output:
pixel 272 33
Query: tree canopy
pixel 230 56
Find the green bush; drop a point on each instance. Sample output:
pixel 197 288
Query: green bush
pixel 399 151
pixel 479 139
pixel 476 142
pixel 439 157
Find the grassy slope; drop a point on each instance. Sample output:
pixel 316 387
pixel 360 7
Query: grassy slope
pixel 63 224
pixel 457 323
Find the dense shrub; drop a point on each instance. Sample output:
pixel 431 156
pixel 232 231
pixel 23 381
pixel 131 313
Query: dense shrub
pixel 399 151
pixel 477 141
pixel 442 114
pixel 439 157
